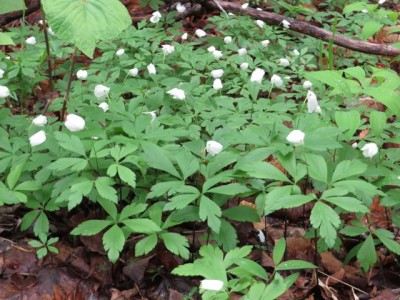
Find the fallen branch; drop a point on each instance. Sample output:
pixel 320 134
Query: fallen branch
pixel 308 29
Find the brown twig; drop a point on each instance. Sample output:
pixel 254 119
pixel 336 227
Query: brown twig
pixel 308 29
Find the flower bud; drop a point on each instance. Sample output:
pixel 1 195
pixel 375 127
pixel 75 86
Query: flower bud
pixel 82 74
pixel 296 137
pixel 217 73
pixel 257 75
pixel 213 148
pixel 74 123
pixel 31 40
pixel 104 106
pixel 217 85
pixel 133 72
pixel 4 91
pixel 101 91
pixel 38 138
pixel 200 33
pixel 177 94
pixel 211 285
pixel 40 121
pixel 152 69
pixel 369 150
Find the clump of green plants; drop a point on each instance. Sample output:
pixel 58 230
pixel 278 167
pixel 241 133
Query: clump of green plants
pixel 165 127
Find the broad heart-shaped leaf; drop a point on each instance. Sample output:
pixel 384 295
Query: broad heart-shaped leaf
pixel 367 255
pixel 348 168
pixel 145 245
pixel 176 244
pixel 85 22
pixel 327 220
pixel 113 241
pixel 211 212
pixel 7 6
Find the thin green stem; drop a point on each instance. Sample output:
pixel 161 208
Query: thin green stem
pixel 71 74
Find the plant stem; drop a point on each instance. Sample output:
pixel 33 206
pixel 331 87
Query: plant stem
pixel 71 73
pixel 46 38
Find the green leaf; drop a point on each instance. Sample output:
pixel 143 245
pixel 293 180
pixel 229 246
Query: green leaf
pixel 35 244
pixel 211 212
pixel 176 244
pixel 41 225
pixel 348 121
pixel 7 6
pixel 387 238
pixel 70 142
pixel 226 237
pixel 241 213
pixel 131 210
pixel 233 255
pixel 377 120
pixel 14 175
pixel 28 186
pixel 127 175
pixel 113 241
pixel 156 157
pixel 188 163
pixel 104 188
pixel 252 267
pixel 367 255
pixel 29 218
pixel 288 202
pixel 279 251
pixel 279 286
pixel 348 168
pixel 349 204
pixel 41 252
pixel 109 207
pixel 101 20
pixel 90 227
pixel 354 230
pixel 141 225
pixel 168 188
pixel 387 97
pixel 73 163
pixel 5 39
pixel 264 170
pixel 327 220
pixel 295 265
pixel 233 189
pixel 317 167
pixel 180 201
pixel 146 244
pixel 370 28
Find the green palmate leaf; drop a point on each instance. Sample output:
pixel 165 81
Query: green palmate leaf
pixel 289 201
pixel 113 241
pixel 264 170
pixel 73 163
pixel 131 210
pixel 100 19
pixel 233 255
pixel 279 251
pixel 28 186
pixel 168 188
pixel 104 188
pixel 145 245
pixel 188 163
pixel 226 237
pixel 327 220
pixel 349 204
pixel 5 39
pixel 7 6
pixel 295 265
pixel 90 227
pixel 232 189
pixel 211 212
pixel 41 225
pixel 141 225
pixel 250 267
pixel 14 175
pixel 257 292
pixel 317 167
pixel 241 213
pixel 278 286
pixel 176 244
pixel 377 120
pixel 109 207
pixel 157 158
pixel 29 218
pixel 180 201
pixel 367 255
pixel 70 142
pixel 387 238
pixel 348 121
pixel 348 168
pixel 127 175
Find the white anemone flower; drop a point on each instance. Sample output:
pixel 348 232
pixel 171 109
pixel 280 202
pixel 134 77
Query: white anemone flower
pixel 242 51
pixel 4 91
pixel 211 285
pixel 38 138
pixel 200 33
pixel 74 123
pixel 257 75
pixel 176 93
pixel 213 148
pixel 276 80
pixel 227 39
pixel 260 23
pixel 152 69
pixel 101 91
pixel 82 74
pixel 104 106
pixel 31 40
pixel 156 17
pixel 296 137
pixel 284 62
pixel 217 73
pixel 217 84
pixel 153 114
pixel 217 54
pixel 40 121
pixel 120 52
pixel 244 66
pixel 369 150
pixel 180 8
pixel 286 24
pixel 312 102
pixel 133 72
pixel 307 84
